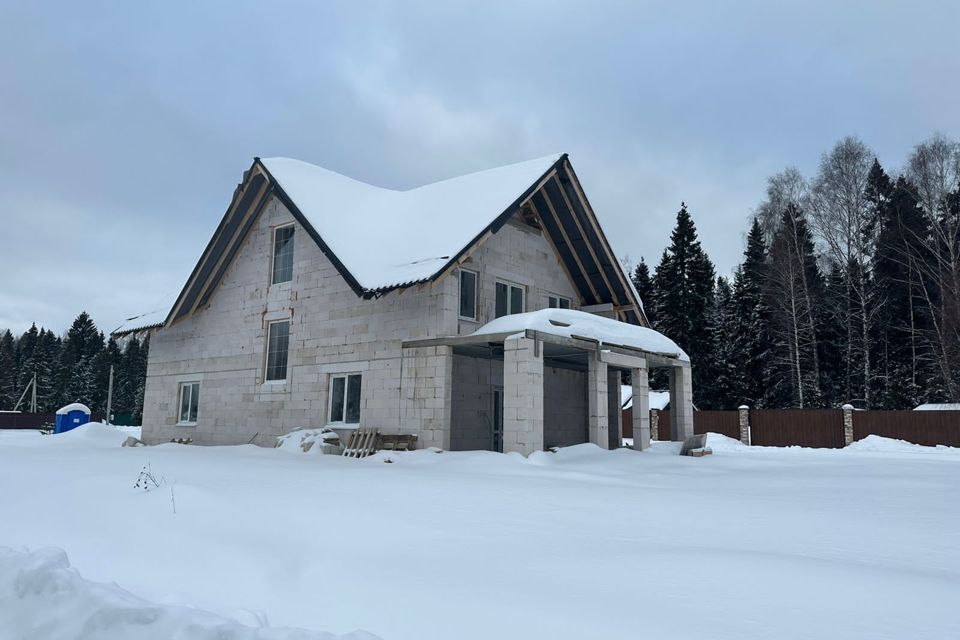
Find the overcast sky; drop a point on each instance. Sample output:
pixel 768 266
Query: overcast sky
pixel 125 126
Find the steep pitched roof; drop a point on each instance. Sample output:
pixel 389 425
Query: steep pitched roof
pixel 388 238
pixel 382 239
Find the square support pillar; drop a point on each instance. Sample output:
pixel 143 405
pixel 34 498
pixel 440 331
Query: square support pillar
pixel 597 400
pixel 522 395
pixel 681 401
pixel 426 394
pixel 641 409
pixel 614 416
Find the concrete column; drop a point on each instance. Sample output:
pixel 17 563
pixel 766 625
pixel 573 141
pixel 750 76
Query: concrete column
pixel 641 409
pixel 599 425
pixel 522 395
pixel 426 394
pixel 615 417
pixel 681 401
pixel 744 424
pixel 654 424
pixel 847 424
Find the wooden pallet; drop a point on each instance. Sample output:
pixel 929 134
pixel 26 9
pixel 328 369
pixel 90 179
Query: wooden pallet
pixel 362 443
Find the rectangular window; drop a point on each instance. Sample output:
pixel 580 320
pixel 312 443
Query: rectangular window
pixel 509 299
pixel 282 254
pixel 558 302
pixel 468 294
pixel 189 401
pixel 345 398
pixel 278 344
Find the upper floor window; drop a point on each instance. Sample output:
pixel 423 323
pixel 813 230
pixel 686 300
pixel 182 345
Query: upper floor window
pixel 282 254
pixel 468 294
pixel 278 344
pixel 509 299
pixel 558 302
pixel 189 402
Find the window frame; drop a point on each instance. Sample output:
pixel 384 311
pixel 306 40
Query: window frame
pixel 346 376
pixel 273 253
pixel 510 287
pixel 183 386
pixel 559 299
pixel 266 355
pixel 476 292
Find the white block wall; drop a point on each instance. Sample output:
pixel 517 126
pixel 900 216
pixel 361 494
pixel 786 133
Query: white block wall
pixel 332 330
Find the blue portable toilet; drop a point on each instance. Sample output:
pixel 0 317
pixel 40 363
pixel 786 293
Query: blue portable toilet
pixel 71 416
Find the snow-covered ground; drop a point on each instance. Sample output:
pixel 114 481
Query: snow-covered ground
pixel 747 543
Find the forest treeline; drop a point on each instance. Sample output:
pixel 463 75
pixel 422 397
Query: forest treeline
pixel 849 288
pixel 74 367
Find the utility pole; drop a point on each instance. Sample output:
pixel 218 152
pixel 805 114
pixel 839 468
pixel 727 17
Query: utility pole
pixel 33 396
pixel 109 396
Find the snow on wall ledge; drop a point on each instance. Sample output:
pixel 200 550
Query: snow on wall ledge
pixel 568 323
pixel 43 598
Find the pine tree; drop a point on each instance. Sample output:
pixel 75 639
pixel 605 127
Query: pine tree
pixel 752 337
pixel 684 282
pixel 8 372
pixel 80 347
pixel 728 378
pixel 644 286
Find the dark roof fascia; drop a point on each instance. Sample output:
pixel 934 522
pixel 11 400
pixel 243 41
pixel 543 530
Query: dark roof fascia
pixel 302 219
pixel 638 304
pixel 237 194
pixel 500 220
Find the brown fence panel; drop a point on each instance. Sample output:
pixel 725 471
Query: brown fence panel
pixel 626 422
pixel 725 422
pixel 663 428
pixel 803 427
pixel 10 420
pixel 919 427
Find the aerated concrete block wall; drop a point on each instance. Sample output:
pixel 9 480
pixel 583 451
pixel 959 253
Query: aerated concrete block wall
pixel 332 330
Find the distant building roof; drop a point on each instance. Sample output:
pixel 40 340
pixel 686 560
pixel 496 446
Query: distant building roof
pixel 945 406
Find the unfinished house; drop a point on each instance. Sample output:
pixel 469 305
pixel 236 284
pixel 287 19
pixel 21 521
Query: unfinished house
pixel 482 312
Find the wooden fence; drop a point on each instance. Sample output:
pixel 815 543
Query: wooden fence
pixel 824 428
pixel 920 427
pixel 10 420
pixel 821 428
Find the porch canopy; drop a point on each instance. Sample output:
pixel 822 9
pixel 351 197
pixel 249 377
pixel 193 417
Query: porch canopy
pixel 544 354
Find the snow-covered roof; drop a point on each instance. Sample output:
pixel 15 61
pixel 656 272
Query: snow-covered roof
pixel 569 323
pixel 944 406
pixel 387 238
pixel 144 321
pixel 658 399
pixel 73 406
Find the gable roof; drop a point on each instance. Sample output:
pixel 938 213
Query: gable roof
pixel 382 239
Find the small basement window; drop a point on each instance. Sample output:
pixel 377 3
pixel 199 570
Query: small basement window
pixel 189 401
pixel 345 398
pixel 282 254
pixel 278 346
pixel 468 294
pixel 558 302
pixel 509 299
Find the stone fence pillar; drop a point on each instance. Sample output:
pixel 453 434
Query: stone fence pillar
pixel 654 424
pixel 847 424
pixel 744 424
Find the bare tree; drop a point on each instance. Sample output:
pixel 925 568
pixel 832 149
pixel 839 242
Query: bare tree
pixel 785 189
pixel 844 221
pixel 934 169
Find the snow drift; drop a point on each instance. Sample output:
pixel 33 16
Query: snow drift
pixel 45 599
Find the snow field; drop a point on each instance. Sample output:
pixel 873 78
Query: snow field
pixel 751 542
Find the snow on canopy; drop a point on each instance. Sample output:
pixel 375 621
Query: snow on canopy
pixel 387 238
pixel 569 323
pixel 73 406
pixel 932 406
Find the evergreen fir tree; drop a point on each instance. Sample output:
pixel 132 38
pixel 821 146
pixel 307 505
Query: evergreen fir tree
pixel 8 372
pixel 644 286
pixel 752 337
pixel 728 379
pixel 684 282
